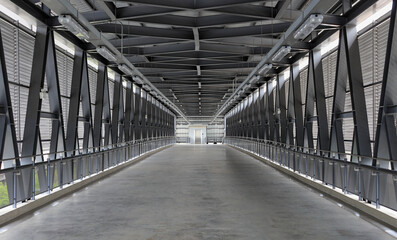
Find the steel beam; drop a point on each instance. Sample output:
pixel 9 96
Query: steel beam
pixel 116 110
pixel 276 28
pixel 8 140
pixel 145 31
pixel 138 116
pixel 283 108
pixel 315 94
pixel 386 138
pixel 127 112
pixel 99 103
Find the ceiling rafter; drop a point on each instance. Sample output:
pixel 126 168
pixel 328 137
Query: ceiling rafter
pixel 177 44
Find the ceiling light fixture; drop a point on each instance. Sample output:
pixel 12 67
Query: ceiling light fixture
pixel 308 26
pixel 147 87
pixel 254 79
pixel 281 53
pixel 246 87
pixel 265 69
pixel 137 79
pixel 106 53
pixel 73 26
pixel 126 70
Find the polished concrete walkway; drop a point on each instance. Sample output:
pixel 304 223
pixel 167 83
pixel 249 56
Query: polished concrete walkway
pixel 194 192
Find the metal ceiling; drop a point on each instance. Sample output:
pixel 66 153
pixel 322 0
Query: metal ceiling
pixel 197 52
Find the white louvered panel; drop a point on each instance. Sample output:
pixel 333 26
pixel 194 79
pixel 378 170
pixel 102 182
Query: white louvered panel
pixel 348 102
pixel 80 144
pixel 329 68
pixel 329 102
pixel 381 33
pixel 26 48
pixel 81 109
pixel 65 72
pixel 315 109
pixel 61 63
pixel 16 62
pixel 80 133
pixel 303 79
pixel 372 53
pixel 111 91
pixel 22 108
pixel 8 33
pixel 286 92
pixel 92 76
pixel 92 113
pixel 14 94
pixel 45 104
pixel 329 72
pixel 45 128
pixel 19 99
pixel 365 42
pixel 325 63
pixel 348 130
pixel 46 147
pixel 377 95
pixel 366 46
pixel 315 134
pixel 69 70
pixel 65 111
pixel 372 108
pixel 45 123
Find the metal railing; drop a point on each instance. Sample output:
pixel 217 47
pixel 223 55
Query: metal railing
pixel 348 172
pixel 58 170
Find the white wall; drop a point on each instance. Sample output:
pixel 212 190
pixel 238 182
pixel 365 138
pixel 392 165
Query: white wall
pixel 203 129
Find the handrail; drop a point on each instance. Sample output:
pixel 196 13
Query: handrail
pixel 372 168
pixel 366 182
pixel 95 160
pixel 82 152
pixel 315 150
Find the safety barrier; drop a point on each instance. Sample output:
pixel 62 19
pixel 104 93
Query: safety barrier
pixel 46 176
pixel 369 183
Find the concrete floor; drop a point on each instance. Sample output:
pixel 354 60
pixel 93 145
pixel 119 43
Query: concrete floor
pixel 194 192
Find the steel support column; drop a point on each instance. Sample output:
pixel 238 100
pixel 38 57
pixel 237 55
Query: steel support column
pixel 116 109
pixel 294 113
pixel 127 113
pixel 283 108
pixel 386 137
pixel 99 103
pixel 315 94
pixel 349 67
pixel 8 140
pixel 138 115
